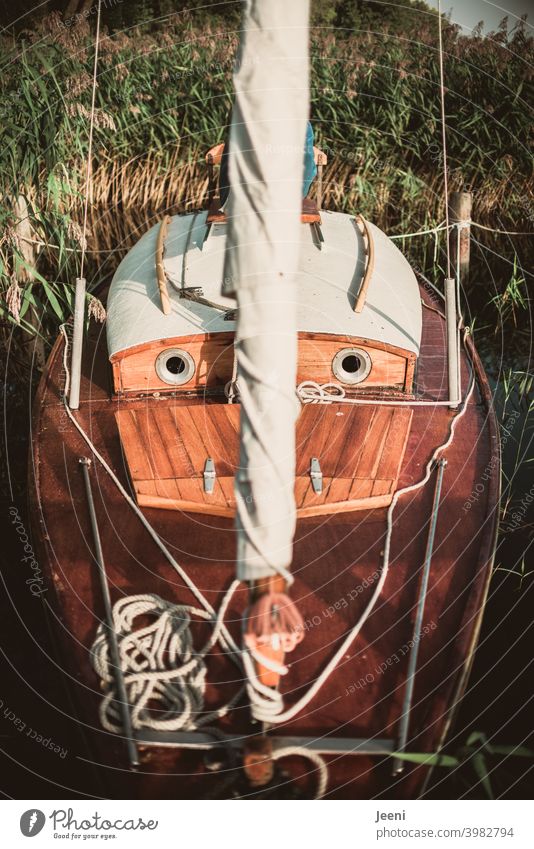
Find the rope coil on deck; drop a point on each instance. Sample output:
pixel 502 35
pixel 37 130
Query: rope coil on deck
pixel 317 760
pixel 266 703
pixel 165 676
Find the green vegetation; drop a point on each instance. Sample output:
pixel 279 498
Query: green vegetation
pixel 477 764
pixel 163 98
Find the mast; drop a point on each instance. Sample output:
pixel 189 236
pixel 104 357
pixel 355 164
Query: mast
pixel 262 252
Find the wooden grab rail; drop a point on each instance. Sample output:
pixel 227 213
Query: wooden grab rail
pixel 160 270
pixel 215 155
pixel 369 265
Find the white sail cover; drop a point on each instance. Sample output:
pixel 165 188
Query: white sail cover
pixel 262 251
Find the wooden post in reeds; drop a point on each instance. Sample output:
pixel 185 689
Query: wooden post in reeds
pixel 460 204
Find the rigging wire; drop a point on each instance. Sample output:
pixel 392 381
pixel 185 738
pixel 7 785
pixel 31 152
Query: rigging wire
pixel 90 148
pixel 444 135
pixel 438 229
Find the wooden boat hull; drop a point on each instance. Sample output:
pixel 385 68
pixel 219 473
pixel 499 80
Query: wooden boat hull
pixel 337 561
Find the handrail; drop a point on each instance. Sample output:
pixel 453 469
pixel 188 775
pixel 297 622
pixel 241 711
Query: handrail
pixel 215 154
pixel 160 270
pixel 319 156
pixel 370 264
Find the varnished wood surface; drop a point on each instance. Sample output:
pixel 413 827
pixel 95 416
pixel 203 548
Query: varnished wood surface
pixel 160 269
pixel 360 451
pixel 309 212
pixel 336 562
pixel 134 370
pixel 215 154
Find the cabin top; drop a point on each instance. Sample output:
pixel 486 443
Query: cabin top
pixel 327 284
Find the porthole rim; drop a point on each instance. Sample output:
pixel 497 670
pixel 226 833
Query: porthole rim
pixel 351 378
pixel 175 379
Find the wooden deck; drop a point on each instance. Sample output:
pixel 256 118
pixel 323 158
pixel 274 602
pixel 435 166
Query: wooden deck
pixel 360 451
pixel 337 559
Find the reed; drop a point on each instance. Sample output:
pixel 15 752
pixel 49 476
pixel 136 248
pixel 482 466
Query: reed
pixel 478 769
pixel 163 98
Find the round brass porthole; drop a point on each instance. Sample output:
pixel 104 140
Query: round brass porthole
pixel 351 365
pixel 175 366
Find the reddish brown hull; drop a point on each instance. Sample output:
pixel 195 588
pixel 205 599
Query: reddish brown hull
pixel 335 556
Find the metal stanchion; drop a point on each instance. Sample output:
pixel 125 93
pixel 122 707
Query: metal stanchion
pixel 77 344
pixel 120 686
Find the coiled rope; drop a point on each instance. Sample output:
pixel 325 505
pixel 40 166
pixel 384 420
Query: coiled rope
pixel 220 631
pixel 164 675
pixel 317 760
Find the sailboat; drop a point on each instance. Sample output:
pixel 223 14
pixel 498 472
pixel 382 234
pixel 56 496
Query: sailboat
pixel 265 493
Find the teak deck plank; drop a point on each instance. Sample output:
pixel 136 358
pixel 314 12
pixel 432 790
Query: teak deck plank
pixel 131 435
pixel 312 430
pixel 167 488
pixel 158 446
pixel 399 431
pixel 342 454
pixel 180 438
pixel 374 443
pixel 227 486
pixel 192 438
pixel 221 439
pixel 175 442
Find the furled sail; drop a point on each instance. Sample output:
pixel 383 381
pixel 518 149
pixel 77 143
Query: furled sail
pixel 266 169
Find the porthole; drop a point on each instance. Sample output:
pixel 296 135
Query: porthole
pixel 351 365
pixel 175 366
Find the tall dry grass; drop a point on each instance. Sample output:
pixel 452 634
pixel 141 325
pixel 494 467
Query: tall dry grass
pixel 163 98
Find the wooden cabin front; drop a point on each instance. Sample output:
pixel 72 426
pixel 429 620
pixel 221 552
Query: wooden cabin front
pixel 190 353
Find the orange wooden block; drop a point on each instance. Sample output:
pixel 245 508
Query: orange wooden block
pixel 267 676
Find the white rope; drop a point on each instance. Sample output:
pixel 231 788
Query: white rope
pixel 230 645
pixel 493 230
pixel 432 230
pixel 267 704
pixel 90 147
pixel 317 760
pixel 163 673
pixel 310 392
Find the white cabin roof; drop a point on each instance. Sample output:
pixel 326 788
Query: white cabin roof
pixel 327 282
